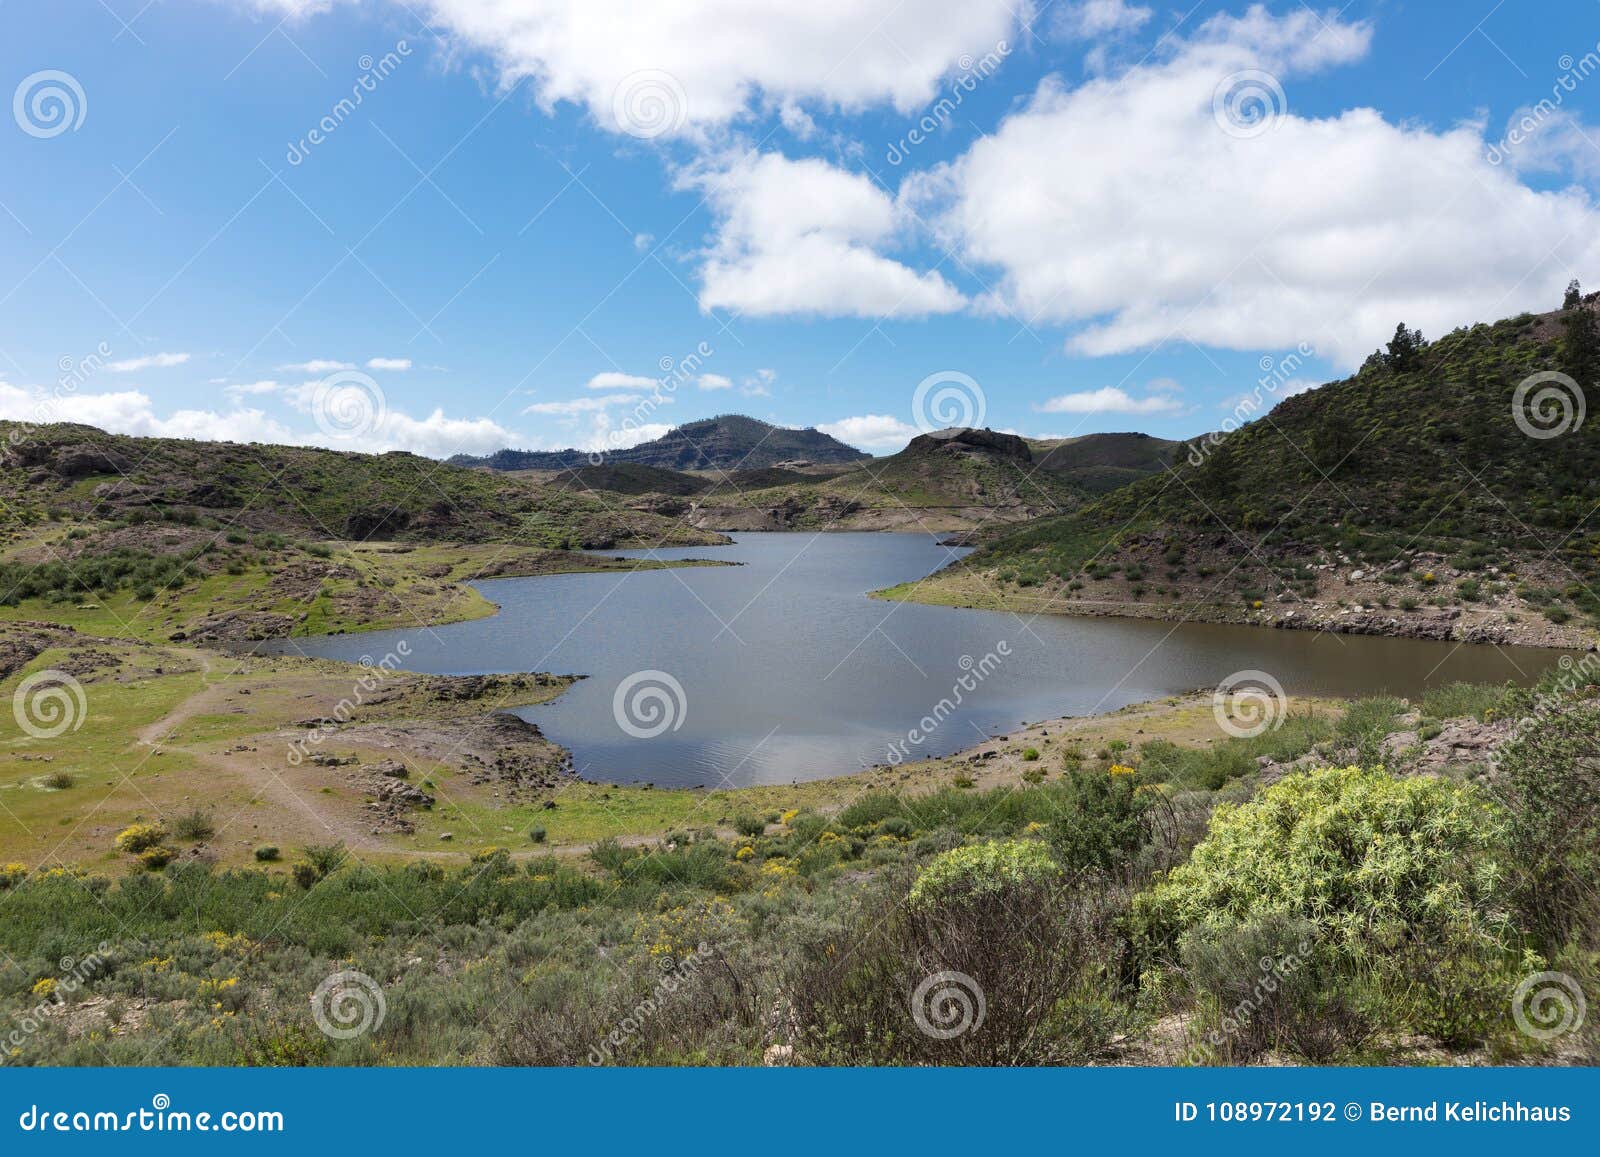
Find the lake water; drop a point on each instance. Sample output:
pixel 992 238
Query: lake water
pixel 788 671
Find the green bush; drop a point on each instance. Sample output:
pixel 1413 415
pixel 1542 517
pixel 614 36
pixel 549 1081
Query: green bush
pixel 749 825
pixel 1102 822
pixel 967 875
pixel 194 826
pixel 267 854
pixel 1370 859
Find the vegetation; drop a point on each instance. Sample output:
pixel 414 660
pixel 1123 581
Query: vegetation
pixel 1033 924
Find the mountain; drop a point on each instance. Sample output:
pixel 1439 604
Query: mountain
pixel 727 442
pixel 1446 490
pixel 957 480
pixel 115 483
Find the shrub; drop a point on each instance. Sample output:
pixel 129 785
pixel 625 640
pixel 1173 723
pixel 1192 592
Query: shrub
pixel 968 875
pixel 305 873
pixel 140 837
pixel 325 858
pixel 749 825
pixel 157 857
pixel 1549 780
pixel 1370 859
pixel 194 825
pixel 267 854
pixel 537 835
pixel 1267 985
pixel 59 780
pixel 1102 823
pixel 1029 754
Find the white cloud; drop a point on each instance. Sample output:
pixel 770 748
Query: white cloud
pixel 714 60
pixel 610 380
pixel 588 405
pixel 388 363
pixel 1093 18
pixel 871 432
pixel 643 241
pixel 714 382
pixel 1539 139
pixel 148 362
pixel 251 389
pixel 1108 400
pixel 133 412
pixel 801 237
pixel 1122 207
pixel 318 366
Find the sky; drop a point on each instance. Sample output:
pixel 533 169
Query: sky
pixel 449 226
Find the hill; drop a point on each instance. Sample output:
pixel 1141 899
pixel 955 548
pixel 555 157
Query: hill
pixel 166 538
pixel 1100 463
pixel 958 480
pixel 1441 491
pixel 727 442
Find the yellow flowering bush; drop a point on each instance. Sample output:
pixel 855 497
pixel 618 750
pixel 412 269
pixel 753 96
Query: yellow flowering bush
pixel 12 874
pixel 45 987
pixel 140 837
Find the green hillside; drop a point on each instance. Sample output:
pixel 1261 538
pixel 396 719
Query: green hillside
pixel 1407 498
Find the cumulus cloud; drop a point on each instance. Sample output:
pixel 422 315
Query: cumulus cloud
pixel 133 412
pixel 802 237
pixel 1109 400
pixel 388 363
pixel 714 382
pixel 148 362
pixel 872 432
pixel 1136 211
pixel 694 65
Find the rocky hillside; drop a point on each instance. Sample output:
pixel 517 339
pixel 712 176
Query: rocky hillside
pixel 728 442
pixel 1437 492
pixel 77 472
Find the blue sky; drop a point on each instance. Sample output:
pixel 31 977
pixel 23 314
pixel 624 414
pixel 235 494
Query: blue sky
pixel 1072 217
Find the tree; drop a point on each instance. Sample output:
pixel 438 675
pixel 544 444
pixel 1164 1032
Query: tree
pixel 1405 348
pixel 1574 297
pixel 1580 351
